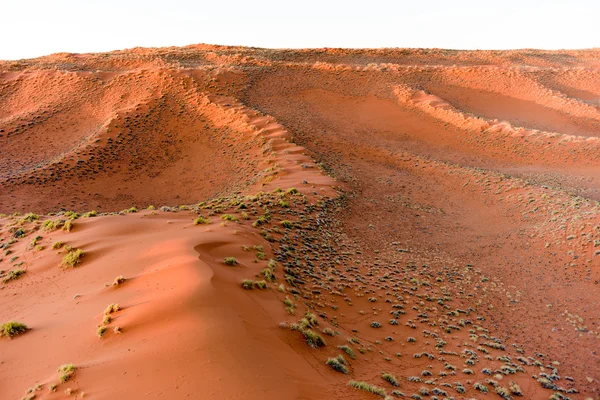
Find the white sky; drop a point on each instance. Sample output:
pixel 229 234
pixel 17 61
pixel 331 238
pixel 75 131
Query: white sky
pixel 38 27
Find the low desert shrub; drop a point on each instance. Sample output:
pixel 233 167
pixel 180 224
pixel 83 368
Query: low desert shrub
pixel 101 331
pixel 118 280
pixel 348 350
pixel 248 284
pixel 338 363
pixel 12 328
pixel 67 371
pixel 72 258
pixel 390 378
pixel 111 308
pixel 367 388
pixel 13 275
pixel 200 221
pixel 230 261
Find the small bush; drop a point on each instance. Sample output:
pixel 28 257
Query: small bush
pixel 515 388
pixel 230 261
pixel 338 363
pixel 375 324
pixel 390 378
pixel 89 214
pixel 328 331
pixel 118 280
pixel 57 245
pixel 288 302
pixel 72 258
pixel 247 284
pixel 49 225
pixel 481 387
pixel 13 275
pixel 268 274
pixel 503 392
pixel 260 284
pixel 368 388
pixel 200 221
pixel 313 339
pixel 111 308
pixel 34 242
pixel 12 328
pixel 287 224
pixel 101 331
pixel 71 215
pixel 229 217
pixel 348 350
pixel 68 226
pixel 66 371
pixel 29 217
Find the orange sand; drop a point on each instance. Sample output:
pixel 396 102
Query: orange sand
pixel 429 181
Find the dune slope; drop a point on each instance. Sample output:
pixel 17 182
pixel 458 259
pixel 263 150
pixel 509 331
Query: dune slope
pixel 328 224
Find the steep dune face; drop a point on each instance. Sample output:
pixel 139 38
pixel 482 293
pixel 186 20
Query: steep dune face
pixel 429 216
pixel 111 142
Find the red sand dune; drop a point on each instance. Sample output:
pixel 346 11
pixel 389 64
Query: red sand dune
pixel 428 214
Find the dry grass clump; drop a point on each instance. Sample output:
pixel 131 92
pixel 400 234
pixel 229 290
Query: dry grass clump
pixel 231 261
pixel 67 371
pixel 29 217
pixel 348 350
pixel 13 275
pixel 72 258
pixel 338 363
pixel 57 245
pixel 118 280
pixel 515 388
pixel 200 221
pixel 49 225
pixel 249 284
pixel 229 217
pixel 260 284
pixel 368 388
pixel 287 224
pixel 68 226
pixel 305 326
pixel 390 378
pixel 11 329
pixel 111 308
pixel 101 331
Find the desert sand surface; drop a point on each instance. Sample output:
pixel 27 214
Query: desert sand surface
pixel 213 222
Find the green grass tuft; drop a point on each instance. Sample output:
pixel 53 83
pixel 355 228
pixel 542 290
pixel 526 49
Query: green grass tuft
pixel 248 284
pixel 230 261
pixel 12 328
pixel 368 388
pixel 72 258
pixel 200 221
pixel 348 350
pixel 338 363
pixel 101 331
pixel 390 378
pixel 13 275
pixel 66 371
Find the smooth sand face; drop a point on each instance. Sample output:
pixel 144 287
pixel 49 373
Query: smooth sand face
pixel 451 192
